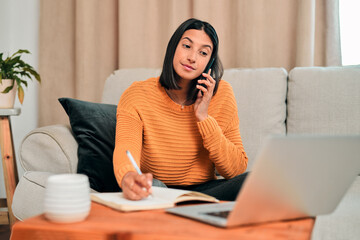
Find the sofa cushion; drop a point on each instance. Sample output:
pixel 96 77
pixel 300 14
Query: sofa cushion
pixel 261 100
pixel 324 100
pixel 94 126
pixel 121 79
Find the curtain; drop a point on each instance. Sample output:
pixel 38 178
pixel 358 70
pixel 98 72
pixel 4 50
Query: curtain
pixel 78 50
pixel 83 41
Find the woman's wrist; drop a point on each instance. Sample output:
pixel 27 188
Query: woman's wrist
pixel 201 118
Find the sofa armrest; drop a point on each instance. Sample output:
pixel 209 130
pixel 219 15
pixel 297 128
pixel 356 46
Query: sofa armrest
pixel 29 195
pixel 49 149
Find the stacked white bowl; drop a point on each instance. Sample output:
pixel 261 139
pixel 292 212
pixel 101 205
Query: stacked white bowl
pixel 67 198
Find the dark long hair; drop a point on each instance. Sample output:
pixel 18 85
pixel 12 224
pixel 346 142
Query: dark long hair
pixel 169 78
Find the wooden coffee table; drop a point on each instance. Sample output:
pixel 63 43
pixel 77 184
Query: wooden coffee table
pixel 105 223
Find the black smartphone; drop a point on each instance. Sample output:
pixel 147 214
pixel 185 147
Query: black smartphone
pixel 211 62
pixel 194 91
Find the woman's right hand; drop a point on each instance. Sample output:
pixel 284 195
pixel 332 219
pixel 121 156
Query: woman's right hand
pixel 136 186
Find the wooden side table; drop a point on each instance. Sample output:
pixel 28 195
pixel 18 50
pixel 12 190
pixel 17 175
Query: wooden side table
pixel 9 164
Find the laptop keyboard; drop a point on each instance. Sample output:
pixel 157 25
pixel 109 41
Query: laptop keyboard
pixel 221 214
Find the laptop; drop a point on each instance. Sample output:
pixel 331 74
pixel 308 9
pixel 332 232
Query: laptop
pixel 292 177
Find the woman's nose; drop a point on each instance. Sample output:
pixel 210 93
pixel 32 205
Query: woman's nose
pixel 191 56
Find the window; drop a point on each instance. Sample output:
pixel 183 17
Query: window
pixel 350 31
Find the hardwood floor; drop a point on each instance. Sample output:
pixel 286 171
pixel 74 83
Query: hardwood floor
pixel 4 232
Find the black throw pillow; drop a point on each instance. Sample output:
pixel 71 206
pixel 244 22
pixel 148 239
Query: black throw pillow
pixel 93 125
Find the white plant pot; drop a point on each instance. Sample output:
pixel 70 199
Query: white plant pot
pixel 7 100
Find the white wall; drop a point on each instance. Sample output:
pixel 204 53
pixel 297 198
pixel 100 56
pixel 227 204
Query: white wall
pixel 19 28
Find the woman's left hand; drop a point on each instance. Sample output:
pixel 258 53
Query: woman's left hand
pixel 204 96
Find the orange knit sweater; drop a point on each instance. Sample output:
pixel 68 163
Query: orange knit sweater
pixel 167 141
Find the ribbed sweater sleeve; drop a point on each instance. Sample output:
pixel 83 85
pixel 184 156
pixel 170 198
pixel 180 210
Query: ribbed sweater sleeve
pixel 225 148
pixel 221 134
pixel 130 130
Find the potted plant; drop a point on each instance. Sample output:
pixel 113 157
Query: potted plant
pixel 14 73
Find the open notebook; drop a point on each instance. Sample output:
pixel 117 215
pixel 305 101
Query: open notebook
pixel 160 198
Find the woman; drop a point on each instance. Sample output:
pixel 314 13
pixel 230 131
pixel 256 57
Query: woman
pixel 182 125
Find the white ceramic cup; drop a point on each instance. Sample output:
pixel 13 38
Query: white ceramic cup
pixel 67 198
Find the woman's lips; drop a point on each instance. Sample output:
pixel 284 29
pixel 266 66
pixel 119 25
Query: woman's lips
pixel 188 67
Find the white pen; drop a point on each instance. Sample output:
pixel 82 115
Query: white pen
pixel 132 160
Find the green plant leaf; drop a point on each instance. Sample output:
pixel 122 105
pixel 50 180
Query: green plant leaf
pixel 37 76
pixel 33 72
pixel 23 73
pixel 20 51
pixel 18 80
pixel 8 89
pixel 14 61
pixel 24 82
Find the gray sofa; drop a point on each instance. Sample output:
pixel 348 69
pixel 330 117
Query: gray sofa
pixel 315 100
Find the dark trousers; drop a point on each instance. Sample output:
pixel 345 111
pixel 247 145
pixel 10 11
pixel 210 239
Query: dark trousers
pixel 222 189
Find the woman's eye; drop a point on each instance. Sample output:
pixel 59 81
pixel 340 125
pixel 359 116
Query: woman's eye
pixel 186 46
pixel 203 53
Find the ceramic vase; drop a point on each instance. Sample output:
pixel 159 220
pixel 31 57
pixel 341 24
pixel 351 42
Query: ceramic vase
pixel 7 100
